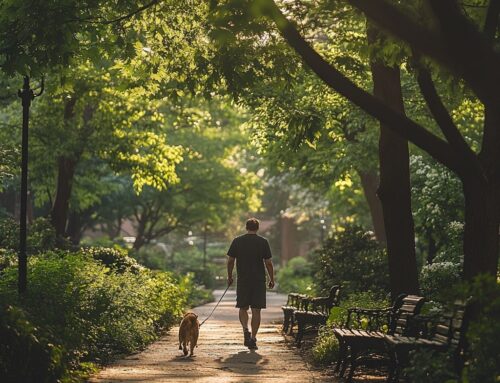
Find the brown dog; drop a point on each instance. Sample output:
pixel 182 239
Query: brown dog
pixel 188 333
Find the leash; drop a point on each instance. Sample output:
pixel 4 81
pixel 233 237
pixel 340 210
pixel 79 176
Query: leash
pixel 204 320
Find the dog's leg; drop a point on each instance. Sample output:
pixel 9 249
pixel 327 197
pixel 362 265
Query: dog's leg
pixel 184 348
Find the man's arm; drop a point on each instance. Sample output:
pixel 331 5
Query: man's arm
pixel 270 271
pixel 230 267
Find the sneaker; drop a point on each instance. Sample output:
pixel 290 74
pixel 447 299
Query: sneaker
pixel 252 345
pixel 248 337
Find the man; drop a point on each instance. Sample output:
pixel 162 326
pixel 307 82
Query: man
pixel 251 252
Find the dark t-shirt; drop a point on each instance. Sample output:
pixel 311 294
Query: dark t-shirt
pixel 250 250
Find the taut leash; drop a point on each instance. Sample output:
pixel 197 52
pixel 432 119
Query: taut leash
pixel 204 320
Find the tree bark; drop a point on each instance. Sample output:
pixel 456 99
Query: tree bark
pixel 370 182
pixel 59 213
pixel 75 227
pixel 394 190
pixel 481 232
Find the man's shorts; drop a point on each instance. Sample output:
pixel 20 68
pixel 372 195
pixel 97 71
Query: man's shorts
pixel 251 294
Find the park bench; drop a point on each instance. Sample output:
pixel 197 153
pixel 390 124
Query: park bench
pixel 314 312
pixel 295 301
pixel 363 336
pixel 446 334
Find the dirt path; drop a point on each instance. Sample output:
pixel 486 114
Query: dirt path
pixel 220 356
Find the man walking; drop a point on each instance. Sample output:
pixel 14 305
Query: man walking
pixel 251 252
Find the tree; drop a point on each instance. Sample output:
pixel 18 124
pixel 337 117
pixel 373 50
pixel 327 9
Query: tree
pixel 88 119
pixel 215 181
pixel 306 119
pixel 459 45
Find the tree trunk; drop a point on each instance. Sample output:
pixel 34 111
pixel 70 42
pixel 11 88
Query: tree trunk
pixel 75 227
pixel 59 213
pixel 370 182
pixel 481 232
pixel 394 190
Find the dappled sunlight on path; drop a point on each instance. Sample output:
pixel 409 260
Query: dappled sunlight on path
pixel 220 356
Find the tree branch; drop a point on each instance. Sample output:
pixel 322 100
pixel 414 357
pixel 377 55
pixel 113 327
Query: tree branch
pixel 475 58
pixel 443 118
pixel 396 121
pixel 460 47
pixel 399 24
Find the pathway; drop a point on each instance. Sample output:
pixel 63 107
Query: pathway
pixel 220 356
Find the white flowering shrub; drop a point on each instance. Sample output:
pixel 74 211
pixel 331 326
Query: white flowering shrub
pixel 436 279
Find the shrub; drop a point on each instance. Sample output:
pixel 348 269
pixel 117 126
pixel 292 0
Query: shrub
pixel 115 258
pixel 296 276
pixel 7 258
pixel 41 235
pixel 91 312
pixel 437 278
pixel 25 353
pixel 326 347
pixel 353 258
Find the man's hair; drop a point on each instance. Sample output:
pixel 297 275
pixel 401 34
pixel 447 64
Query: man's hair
pixel 252 224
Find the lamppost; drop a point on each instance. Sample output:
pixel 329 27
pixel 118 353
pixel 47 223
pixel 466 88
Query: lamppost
pixel 27 95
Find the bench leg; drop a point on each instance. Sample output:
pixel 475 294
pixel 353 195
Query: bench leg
pixel 393 376
pixel 300 332
pixel 352 365
pixel 292 323
pixel 342 356
pixel 286 321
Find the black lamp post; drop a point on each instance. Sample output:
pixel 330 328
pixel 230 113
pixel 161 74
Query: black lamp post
pixel 27 95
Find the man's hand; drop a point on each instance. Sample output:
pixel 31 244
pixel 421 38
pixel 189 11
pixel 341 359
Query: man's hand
pixel 271 284
pixel 229 281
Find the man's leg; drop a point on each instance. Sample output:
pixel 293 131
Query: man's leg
pixel 244 317
pixel 255 322
pixel 243 314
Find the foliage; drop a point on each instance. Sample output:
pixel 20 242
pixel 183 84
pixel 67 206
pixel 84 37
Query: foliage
pixel 484 331
pixel 437 201
pixel 41 235
pixel 326 347
pixel 427 366
pixel 353 258
pixel 438 278
pixel 93 313
pixel 26 354
pixel 296 276
pixel 115 258
pixel 482 357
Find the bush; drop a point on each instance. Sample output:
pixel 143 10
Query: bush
pixel 354 259
pixel 93 313
pixel 296 276
pixel 483 364
pixel 7 258
pixel 326 347
pixel 115 258
pixel 438 278
pixel 25 353
pixel 41 235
